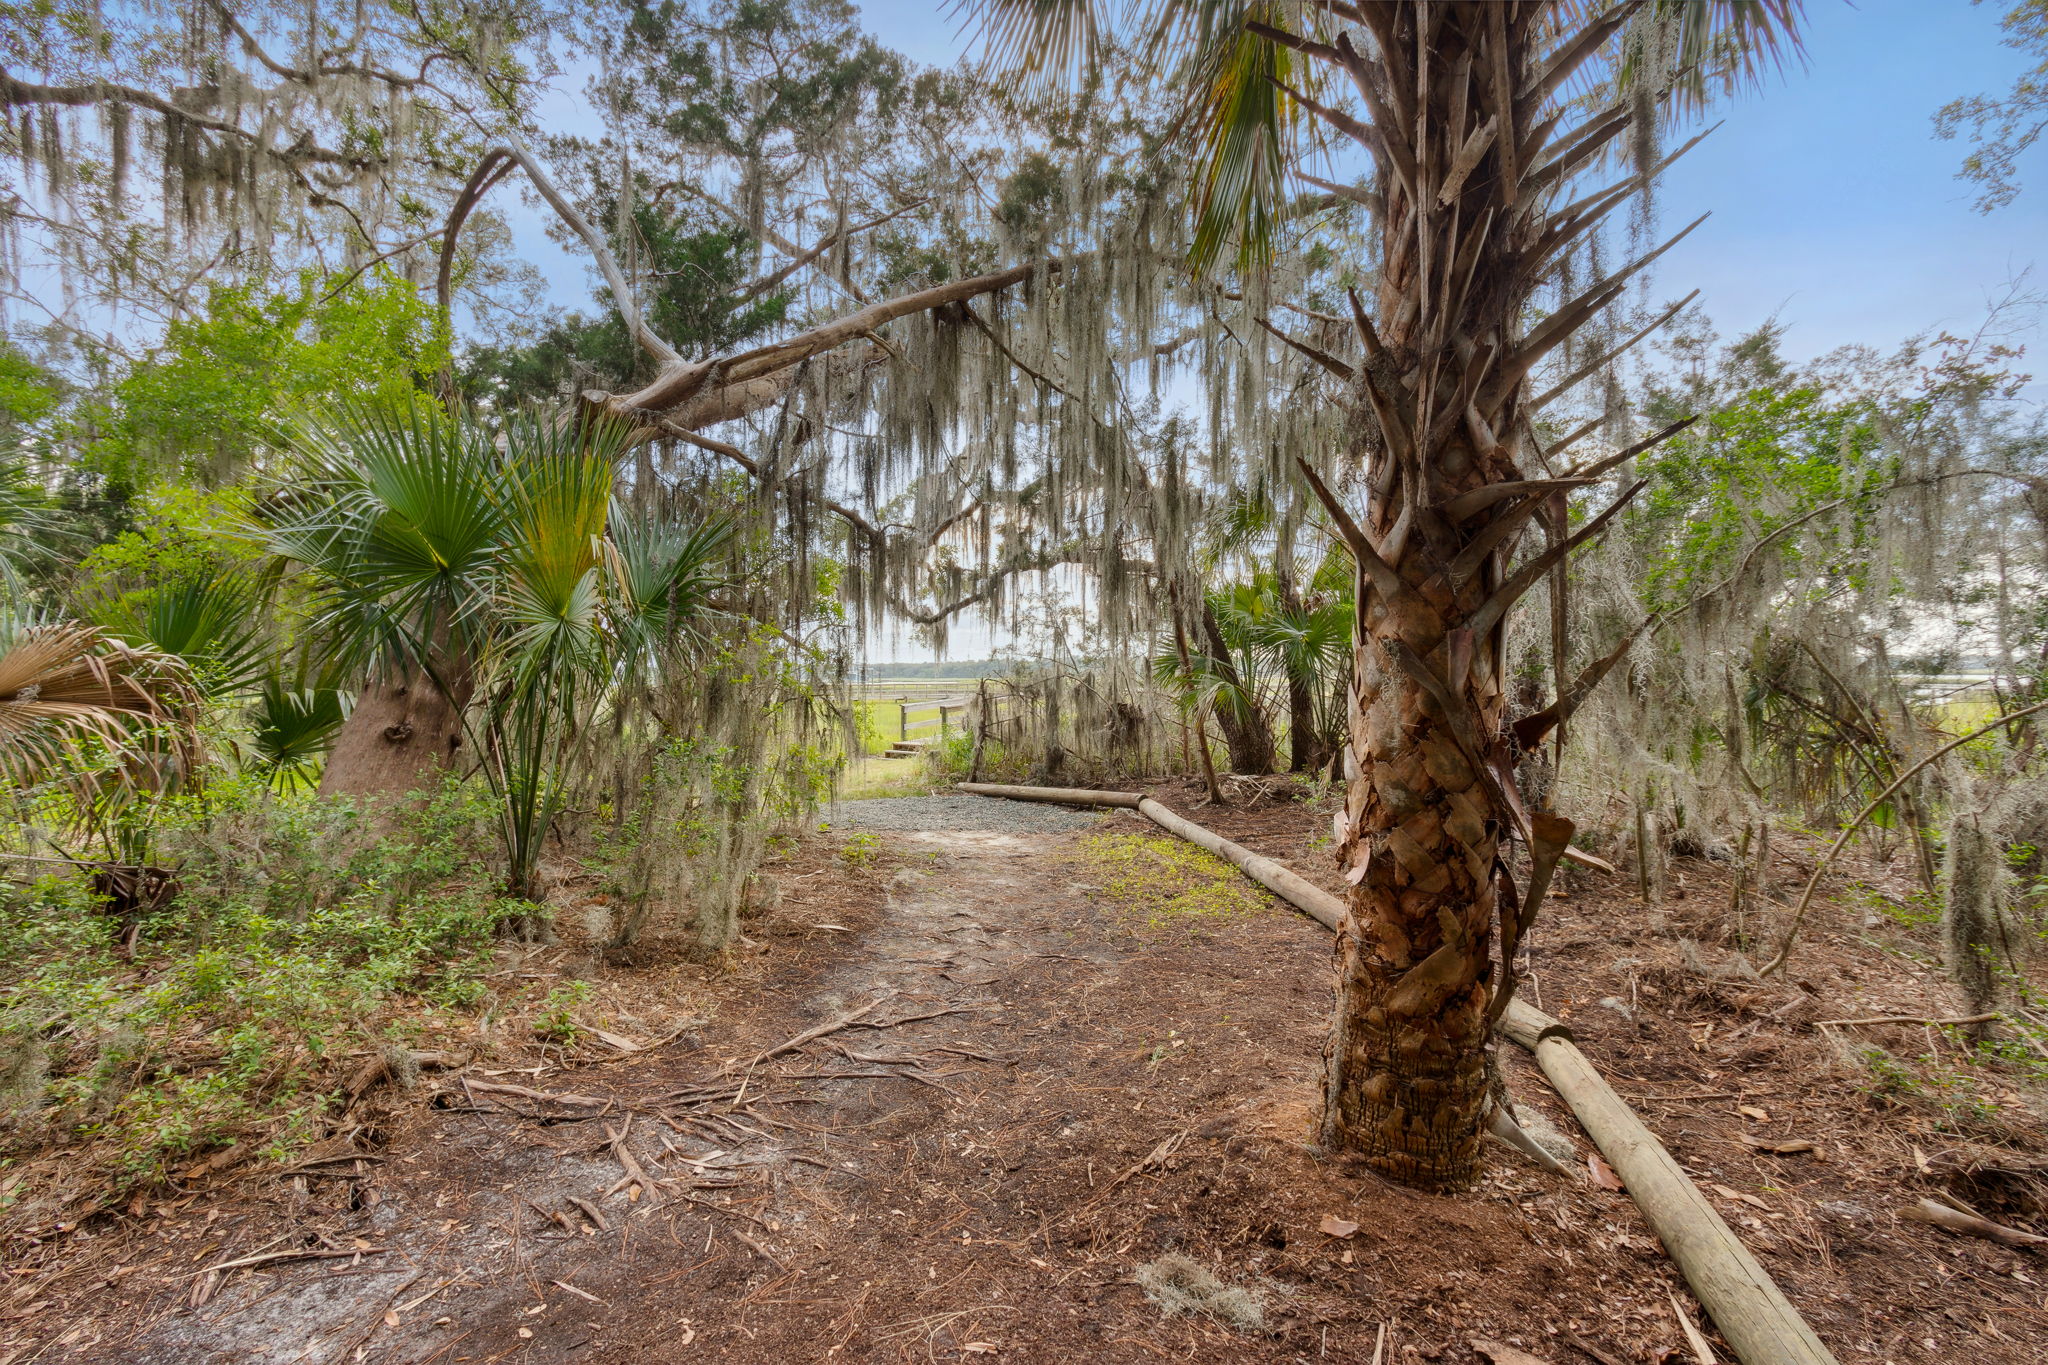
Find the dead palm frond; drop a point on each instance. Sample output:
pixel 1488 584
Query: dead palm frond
pixel 89 716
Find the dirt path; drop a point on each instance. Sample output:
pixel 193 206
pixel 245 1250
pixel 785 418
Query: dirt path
pixel 979 1183
pixel 1041 1100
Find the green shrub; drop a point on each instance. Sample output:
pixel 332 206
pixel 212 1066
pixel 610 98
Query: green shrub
pixel 556 1022
pixel 297 934
pixel 860 851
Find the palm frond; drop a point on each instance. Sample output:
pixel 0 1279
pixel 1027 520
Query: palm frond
pixel 91 716
pixel 398 513
pixel 1035 45
pixel 1719 46
pixel 1241 126
pixel 295 727
pixel 665 574
pixel 1237 120
pixel 30 532
pixel 212 624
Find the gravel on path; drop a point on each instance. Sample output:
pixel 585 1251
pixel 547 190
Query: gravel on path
pixel 960 812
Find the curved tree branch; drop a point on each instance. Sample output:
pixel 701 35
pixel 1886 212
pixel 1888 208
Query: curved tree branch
pixel 601 253
pixel 1849 830
pixel 493 166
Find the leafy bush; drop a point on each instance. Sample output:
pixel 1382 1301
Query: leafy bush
pixel 860 851
pixel 295 934
pixel 952 758
pixel 556 1022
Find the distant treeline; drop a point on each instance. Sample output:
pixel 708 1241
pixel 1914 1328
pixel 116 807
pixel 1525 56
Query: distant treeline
pixel 946 668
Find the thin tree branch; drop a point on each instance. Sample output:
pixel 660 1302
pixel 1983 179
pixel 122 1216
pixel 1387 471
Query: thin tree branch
pixel 601 253
pixel 1849 830
pixel 757 287
pixel 1320 357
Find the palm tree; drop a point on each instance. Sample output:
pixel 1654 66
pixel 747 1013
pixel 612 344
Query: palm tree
pixel 394 512
pixel 1263 645
pixel 1481 152
pixel 1306 645
pixel 494 567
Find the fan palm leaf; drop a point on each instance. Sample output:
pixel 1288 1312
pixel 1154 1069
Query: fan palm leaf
pixel 556 491
pixel 665 575
pixel 496 556
pixel 211 623
pixel 1241 127
pixel 30 533
pixel 91 716
pixel 294 728
pixel 399 513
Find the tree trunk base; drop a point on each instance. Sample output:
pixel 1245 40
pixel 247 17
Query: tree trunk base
pixel 401 736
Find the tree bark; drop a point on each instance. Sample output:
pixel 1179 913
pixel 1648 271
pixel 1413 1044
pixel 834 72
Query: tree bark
pixel 1471 161
pixel 1304 752
pixel 1246 733
pixel 1405 1082
pixel 401 736
pixel 1304 745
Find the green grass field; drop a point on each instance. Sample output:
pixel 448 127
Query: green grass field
pixel 880 721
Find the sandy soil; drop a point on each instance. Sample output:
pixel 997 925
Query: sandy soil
pixel 1015 1098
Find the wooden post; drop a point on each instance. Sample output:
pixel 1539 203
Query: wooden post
pixel 902 719
pixel 1642 854
pixel 980 731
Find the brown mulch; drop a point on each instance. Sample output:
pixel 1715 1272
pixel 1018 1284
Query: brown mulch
pixel 1035 1095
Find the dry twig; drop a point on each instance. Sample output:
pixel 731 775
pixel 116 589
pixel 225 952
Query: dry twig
pixel 1955 1220
pixel 1903 1019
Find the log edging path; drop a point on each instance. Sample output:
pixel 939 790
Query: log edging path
pixel 1759 1322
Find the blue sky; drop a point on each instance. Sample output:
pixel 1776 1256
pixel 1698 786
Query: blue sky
pixel 1834 206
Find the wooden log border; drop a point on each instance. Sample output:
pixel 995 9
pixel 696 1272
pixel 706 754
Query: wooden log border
pixel 1754 1315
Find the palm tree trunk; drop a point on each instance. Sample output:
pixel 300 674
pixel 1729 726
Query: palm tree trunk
pixel 1473 155
pixel 402 735
pixel 1214 788
pixel 1405 1083
pixel 1304 750
pixel 1246 733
